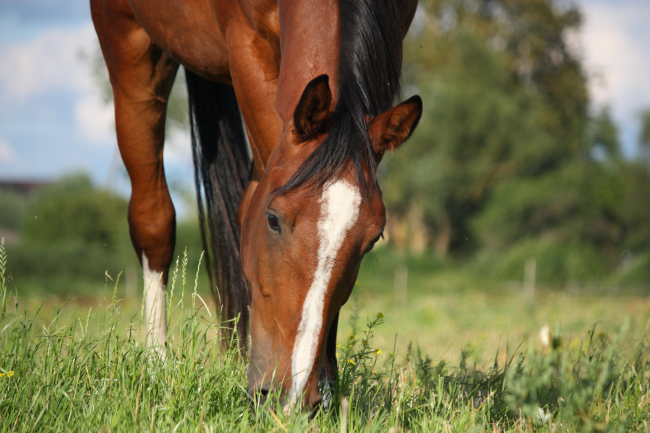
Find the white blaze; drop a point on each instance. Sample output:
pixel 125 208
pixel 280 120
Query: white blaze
pixel 339 211
pixel 155 307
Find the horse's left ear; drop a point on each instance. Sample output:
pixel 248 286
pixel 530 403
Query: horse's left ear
pixel 312 109
pixel 392 128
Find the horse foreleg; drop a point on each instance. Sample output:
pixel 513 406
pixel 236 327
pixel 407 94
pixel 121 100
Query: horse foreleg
pixel 140 123
pixel 142 76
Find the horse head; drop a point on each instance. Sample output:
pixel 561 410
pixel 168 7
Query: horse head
pixel 302 246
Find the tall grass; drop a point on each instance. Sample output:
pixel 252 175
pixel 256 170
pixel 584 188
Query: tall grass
pixel 94 373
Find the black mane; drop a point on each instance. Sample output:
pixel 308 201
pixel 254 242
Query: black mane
pixel 369 71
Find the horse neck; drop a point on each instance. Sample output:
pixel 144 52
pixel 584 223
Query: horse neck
pixel 310 46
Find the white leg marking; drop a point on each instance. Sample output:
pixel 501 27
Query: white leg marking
pixel 339 211
pixel 155 307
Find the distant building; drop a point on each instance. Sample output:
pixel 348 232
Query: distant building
pixel 23 187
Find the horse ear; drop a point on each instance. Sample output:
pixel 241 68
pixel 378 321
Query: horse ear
pixel 392 128
pixel 313 107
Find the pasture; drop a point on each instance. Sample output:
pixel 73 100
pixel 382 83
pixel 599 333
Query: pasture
pixel 522 306
pixel 476 362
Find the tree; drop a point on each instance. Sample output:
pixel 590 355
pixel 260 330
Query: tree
pixel 508 163
pixel 644 136
pixel 505 98
pixel 13 209
pixel 74 211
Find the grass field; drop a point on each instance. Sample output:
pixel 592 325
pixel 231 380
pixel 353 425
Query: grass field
pixel 445 312
pixel 476 361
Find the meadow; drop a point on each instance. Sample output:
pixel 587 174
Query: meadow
pixel 511 162
pixel 450 354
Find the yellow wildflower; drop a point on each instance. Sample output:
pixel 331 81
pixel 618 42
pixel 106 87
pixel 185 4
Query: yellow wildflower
pixel 377 351
pixel 337 355
pixel 380 315
pixel 351 361
pixel 9 374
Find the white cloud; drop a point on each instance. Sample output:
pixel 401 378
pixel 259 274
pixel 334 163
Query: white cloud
pixel 95 120
pixel 48 63
pixel 615 38
pixel 178 148
pixel 7 153
pixel 51 65
pixel 613 46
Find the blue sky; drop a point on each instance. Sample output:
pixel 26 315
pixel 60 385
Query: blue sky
pixel 52 119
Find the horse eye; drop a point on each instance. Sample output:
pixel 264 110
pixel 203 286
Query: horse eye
pixel 274 223
pixel 372 244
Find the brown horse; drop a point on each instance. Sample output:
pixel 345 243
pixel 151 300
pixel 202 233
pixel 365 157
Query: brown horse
pixel 314 81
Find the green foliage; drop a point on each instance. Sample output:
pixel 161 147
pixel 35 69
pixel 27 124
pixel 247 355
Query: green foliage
pixel 505 99
pixel 507 161
pixel 602 136
pixel 73 232
pixel 634 207
pixel 576 203
pixel 644 136
pixel 66 269
pixel 473 133
pixel 13 209
pixel 557 263
pixel 634 269
pixel 72 210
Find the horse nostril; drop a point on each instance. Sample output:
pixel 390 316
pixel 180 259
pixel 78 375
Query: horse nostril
pixel 260 397
pixel 315 406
